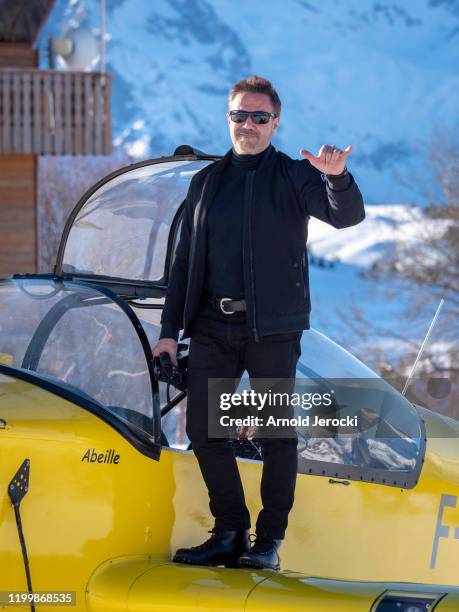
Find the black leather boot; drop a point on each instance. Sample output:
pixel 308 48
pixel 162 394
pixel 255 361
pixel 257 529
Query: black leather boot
pixel 262 555
pixel 222 548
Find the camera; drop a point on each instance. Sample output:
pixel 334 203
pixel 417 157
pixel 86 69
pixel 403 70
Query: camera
pixel 175 375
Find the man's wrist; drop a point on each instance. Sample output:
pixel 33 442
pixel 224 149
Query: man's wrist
pixel 338 182
pixel 169 330
pixel 333 176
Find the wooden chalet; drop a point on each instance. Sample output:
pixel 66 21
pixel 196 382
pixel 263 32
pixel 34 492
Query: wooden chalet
pixel 42 112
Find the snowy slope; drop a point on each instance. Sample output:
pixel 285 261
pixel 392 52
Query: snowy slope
pixel 337 290
pixel 378 75
pixel 363 244
pixel 353 250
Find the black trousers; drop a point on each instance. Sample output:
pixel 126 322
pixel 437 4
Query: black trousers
pixel 221 347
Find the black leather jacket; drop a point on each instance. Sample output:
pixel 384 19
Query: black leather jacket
pixel 280 195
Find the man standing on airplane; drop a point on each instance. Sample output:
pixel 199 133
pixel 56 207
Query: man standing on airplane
pixel 239 288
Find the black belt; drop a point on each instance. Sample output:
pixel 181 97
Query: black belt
pixel 225 304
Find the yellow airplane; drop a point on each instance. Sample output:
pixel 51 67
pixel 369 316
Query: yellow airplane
pixel 98 487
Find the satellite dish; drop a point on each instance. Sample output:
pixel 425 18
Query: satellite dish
pixel 78 49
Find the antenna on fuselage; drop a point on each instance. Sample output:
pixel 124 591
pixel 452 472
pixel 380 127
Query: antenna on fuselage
pixel 408 380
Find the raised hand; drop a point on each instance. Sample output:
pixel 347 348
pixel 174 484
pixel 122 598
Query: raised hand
pixel 330 160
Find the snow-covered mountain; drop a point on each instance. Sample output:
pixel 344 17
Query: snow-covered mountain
pixel 380 75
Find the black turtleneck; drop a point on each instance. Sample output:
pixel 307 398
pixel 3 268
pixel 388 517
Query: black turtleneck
pixel 224 271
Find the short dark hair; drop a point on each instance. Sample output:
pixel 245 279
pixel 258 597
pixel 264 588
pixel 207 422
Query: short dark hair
pixel 256 84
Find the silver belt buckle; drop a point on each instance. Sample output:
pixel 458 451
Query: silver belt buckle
pixel 222 308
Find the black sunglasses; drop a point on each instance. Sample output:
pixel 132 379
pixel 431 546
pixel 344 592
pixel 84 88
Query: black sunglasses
pixel 258 117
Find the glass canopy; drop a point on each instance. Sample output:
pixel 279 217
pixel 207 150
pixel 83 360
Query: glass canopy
pixel 386 443
pixel 121 230
pixel 81 339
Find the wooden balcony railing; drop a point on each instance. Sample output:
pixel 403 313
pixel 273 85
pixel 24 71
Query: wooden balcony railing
pixel 50 112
